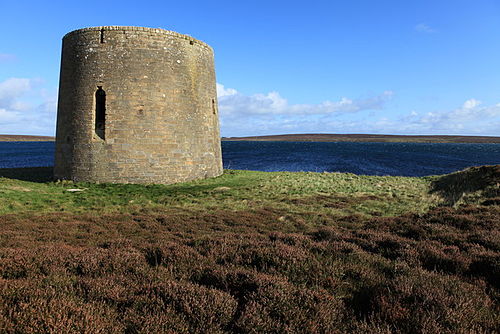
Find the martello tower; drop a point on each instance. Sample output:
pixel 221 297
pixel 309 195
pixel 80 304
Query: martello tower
pixel 136 105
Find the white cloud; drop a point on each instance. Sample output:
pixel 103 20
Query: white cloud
pixel 471 118
pixel 222 91
pixel 471 104
pixel 234 104
pixel 48 106
pixel 424 28
pixel 8 116
pixel 270 113
pixel 25 108
pixel 11 89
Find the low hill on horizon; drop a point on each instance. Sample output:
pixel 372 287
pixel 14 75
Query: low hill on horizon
pixel 369 138
pixel 25 138
pixel 317 137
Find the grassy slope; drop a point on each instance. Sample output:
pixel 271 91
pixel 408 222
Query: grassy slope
pixel 242 190
pixel 252 252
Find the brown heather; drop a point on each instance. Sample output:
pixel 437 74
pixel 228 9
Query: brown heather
pixel 223 271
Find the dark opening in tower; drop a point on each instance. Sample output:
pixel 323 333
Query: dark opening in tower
pixel 100 112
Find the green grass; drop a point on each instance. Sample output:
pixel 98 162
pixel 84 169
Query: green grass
pixel 338 193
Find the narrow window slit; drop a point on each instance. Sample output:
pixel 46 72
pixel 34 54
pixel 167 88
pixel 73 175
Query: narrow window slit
pixel 102 35
pixel 214 107
pixel 100 112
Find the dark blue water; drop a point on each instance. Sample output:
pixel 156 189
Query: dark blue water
pixel 406 159
pixel 26 154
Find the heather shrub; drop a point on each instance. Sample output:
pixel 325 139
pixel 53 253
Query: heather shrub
pixel 94 262
pixel 179 259
pixel 205 310
pixel 282 308
pixel 421 301
pixel 238 282
pixel 146 319
pixel 16 264
pixel 487 239
pixel 488 267
pixel 118 291
pixel 448 259
pixel 292 239
pixel 42 309
pixel 327 233
pixel 270 304
pixel 270 257
pixel 306 264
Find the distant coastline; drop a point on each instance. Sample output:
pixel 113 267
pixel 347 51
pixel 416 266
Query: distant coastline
pixel 321 138
pixel 25 138
pixel 368 138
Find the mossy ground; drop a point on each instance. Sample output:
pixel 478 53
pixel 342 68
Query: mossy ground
pixel 251 252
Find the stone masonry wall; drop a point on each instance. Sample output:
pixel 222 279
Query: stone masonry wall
pixel 161 117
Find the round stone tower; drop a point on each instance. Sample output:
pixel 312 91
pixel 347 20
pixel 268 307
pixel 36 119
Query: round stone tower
pixel 136 105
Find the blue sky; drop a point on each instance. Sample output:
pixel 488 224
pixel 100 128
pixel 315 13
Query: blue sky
pixel 386 66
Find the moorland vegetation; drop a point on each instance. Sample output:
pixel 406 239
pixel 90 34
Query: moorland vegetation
pixel 251 252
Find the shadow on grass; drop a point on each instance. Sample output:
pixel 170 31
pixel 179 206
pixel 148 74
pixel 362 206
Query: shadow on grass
pixel 32 174
pixel 453 186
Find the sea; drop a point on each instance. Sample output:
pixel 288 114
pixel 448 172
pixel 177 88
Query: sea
pixel 396 159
